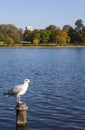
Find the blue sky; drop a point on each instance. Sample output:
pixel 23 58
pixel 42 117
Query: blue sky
pixel 41 13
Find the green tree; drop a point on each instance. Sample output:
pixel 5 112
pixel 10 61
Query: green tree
pixel 79 24
pixel 21 33
pixel 27 35
pixel 2 37
pixel 12 31
pixel 74 36
pixel 66 28
pixel 44 36
pixel 52 28
pixel 35 35
pixel 82 34
pixel 79 27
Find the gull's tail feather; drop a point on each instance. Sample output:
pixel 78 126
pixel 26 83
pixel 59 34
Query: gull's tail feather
pixel 6 94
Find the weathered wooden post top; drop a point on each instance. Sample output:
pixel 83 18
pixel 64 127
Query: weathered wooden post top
pixel 21 109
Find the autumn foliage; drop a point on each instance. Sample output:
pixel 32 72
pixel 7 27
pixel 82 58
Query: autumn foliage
pixel 9 40
pixel 35 41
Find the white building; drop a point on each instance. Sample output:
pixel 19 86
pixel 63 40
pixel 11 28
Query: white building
pixel 29 28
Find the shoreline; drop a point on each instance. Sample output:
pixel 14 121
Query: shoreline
pixel 16 47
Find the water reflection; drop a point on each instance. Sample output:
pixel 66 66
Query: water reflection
pixel 20 128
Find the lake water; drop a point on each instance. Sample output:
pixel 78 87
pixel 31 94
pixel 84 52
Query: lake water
pixel 56 97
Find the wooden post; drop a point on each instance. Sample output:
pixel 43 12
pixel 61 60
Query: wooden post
pixel 21 109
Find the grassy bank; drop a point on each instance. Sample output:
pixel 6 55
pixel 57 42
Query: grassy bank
pixel 47 45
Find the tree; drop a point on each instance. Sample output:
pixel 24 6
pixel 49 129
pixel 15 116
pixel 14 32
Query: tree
pixel 9 40
pixel 35 41
pixel 79 30
pixel 1 37
pixel 52 32
pixel 12 31
pixel 27 35
pixel 74 36
pixel 66 28
pixel 35 35
pixel 52 28
pixel 21 33
pixel 79 24
pixel 53 36
pixel 62 37
pixel 83 35
pixel 44 36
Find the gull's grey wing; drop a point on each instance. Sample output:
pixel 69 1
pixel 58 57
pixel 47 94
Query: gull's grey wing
pixel 15 90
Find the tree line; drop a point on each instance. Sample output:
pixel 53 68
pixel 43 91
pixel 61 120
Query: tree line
pixel 52 34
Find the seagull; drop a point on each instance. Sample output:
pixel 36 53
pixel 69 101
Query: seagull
pixel 18 90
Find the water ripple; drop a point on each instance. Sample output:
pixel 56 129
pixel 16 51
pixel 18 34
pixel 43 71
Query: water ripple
pixel 56 99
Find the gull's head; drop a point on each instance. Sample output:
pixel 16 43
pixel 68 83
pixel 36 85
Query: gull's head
pixel 27 81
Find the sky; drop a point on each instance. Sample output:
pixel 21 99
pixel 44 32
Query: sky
pixel 41 13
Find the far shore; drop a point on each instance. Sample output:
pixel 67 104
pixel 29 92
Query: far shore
pixel 77 46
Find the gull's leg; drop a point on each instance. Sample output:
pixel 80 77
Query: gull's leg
pixel 18 99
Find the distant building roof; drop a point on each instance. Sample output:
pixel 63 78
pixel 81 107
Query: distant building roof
pixel 29 28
